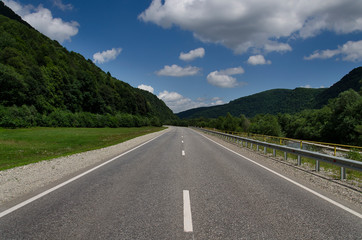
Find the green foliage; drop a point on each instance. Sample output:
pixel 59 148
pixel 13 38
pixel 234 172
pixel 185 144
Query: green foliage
pixel 280 100
pixel 25 117
pixel 353 80
pixel 340 122
pixel 346 118
pixel 266 125
pixel 354 154
pixel 268 102
pixel 63 86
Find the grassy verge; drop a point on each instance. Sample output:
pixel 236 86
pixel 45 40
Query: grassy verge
pixel 23 146
pixel 331 170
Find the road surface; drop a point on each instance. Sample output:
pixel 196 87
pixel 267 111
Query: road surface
pixel 180 185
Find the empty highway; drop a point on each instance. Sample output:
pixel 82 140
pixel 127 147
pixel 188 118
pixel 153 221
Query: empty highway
pixel 180 185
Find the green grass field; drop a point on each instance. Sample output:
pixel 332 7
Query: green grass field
pixel 23 146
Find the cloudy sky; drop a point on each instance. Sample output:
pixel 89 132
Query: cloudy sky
pixel 193 53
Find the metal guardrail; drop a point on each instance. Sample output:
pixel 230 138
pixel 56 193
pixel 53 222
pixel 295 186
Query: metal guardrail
pixel 339 161
pixel 335 149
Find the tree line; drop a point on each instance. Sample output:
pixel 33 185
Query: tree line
pixel 25 116
pixel 340 121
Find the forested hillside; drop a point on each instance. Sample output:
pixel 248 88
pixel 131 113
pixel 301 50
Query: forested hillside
pixel 340 121
pixel 280 100
pixel 41 75
pixel 271 101
pixel 353 80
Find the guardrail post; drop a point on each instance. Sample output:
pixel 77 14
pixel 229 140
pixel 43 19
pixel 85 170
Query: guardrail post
pixel 317 166
pixel 257 147
pixel 343 173
pixel 274 153
pixel 285 156
pixel 299 160
pixel 251 146
pixel 264 150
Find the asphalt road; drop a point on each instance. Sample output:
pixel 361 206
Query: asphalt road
pixel 180 186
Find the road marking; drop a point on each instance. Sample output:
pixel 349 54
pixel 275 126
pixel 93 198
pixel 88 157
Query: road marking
pixel 26 202
pixel 292 181
pixel 187 212
pixel 183 152
pixel 182 141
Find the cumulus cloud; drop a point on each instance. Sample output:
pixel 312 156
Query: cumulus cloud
pixel 106 56
pixel 178 103
pixel 258 60
pixel 146 88
pixel 224 78
pixel 309 86
pixel 350 51
pixel 177 71
pixel 62 6
pixel 42 19
pixel 256 25
pixel 196 53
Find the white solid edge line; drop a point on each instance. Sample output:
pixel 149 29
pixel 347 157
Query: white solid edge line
pixel 22 204
pixel 187 212
pixel 292 181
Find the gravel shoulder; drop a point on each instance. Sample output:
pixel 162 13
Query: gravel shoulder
pixel 21 181
pixel 340 191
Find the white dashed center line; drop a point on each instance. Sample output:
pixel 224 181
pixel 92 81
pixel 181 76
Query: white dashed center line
pixel 187 212
pixel 183 152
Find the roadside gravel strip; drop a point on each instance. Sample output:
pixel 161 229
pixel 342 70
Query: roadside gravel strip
pixel 20 181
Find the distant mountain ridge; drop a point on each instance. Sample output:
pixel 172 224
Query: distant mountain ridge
pixel 279 100
pixel 37 71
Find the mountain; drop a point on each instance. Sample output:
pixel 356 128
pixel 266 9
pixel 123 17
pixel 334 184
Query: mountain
pixel 37 71
pixel 7 12
pixel 353 80
pixel 271 101
pixel 279 100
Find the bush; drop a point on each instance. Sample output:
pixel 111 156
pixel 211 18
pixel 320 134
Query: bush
pixel 27 116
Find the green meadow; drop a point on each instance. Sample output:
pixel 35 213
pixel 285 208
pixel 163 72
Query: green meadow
pixel 23 146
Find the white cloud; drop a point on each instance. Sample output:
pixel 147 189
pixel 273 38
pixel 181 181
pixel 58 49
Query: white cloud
pixel 196 53
pixel 106 56
pixel 177 71
pixel 42 19
pixel 350 51
pixel 232 71
pixel 309 86
pixel 258 60
pixel 306 86
pixel 224 79
pixel 277 47
pixel 178 103
pixel 62 6
pixel 256 25
pixel 146 88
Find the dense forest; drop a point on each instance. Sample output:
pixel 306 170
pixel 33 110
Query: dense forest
pixel 340 121
pixel 280 100
pixel 43 84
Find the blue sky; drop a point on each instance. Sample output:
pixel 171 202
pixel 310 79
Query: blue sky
pixel 193 53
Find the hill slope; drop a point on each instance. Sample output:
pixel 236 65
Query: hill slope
pixel 353 80
pixel 271 101
pixel 36 71
pixel 279 100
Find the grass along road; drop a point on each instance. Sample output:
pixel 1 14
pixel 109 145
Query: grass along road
pixel 23 146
